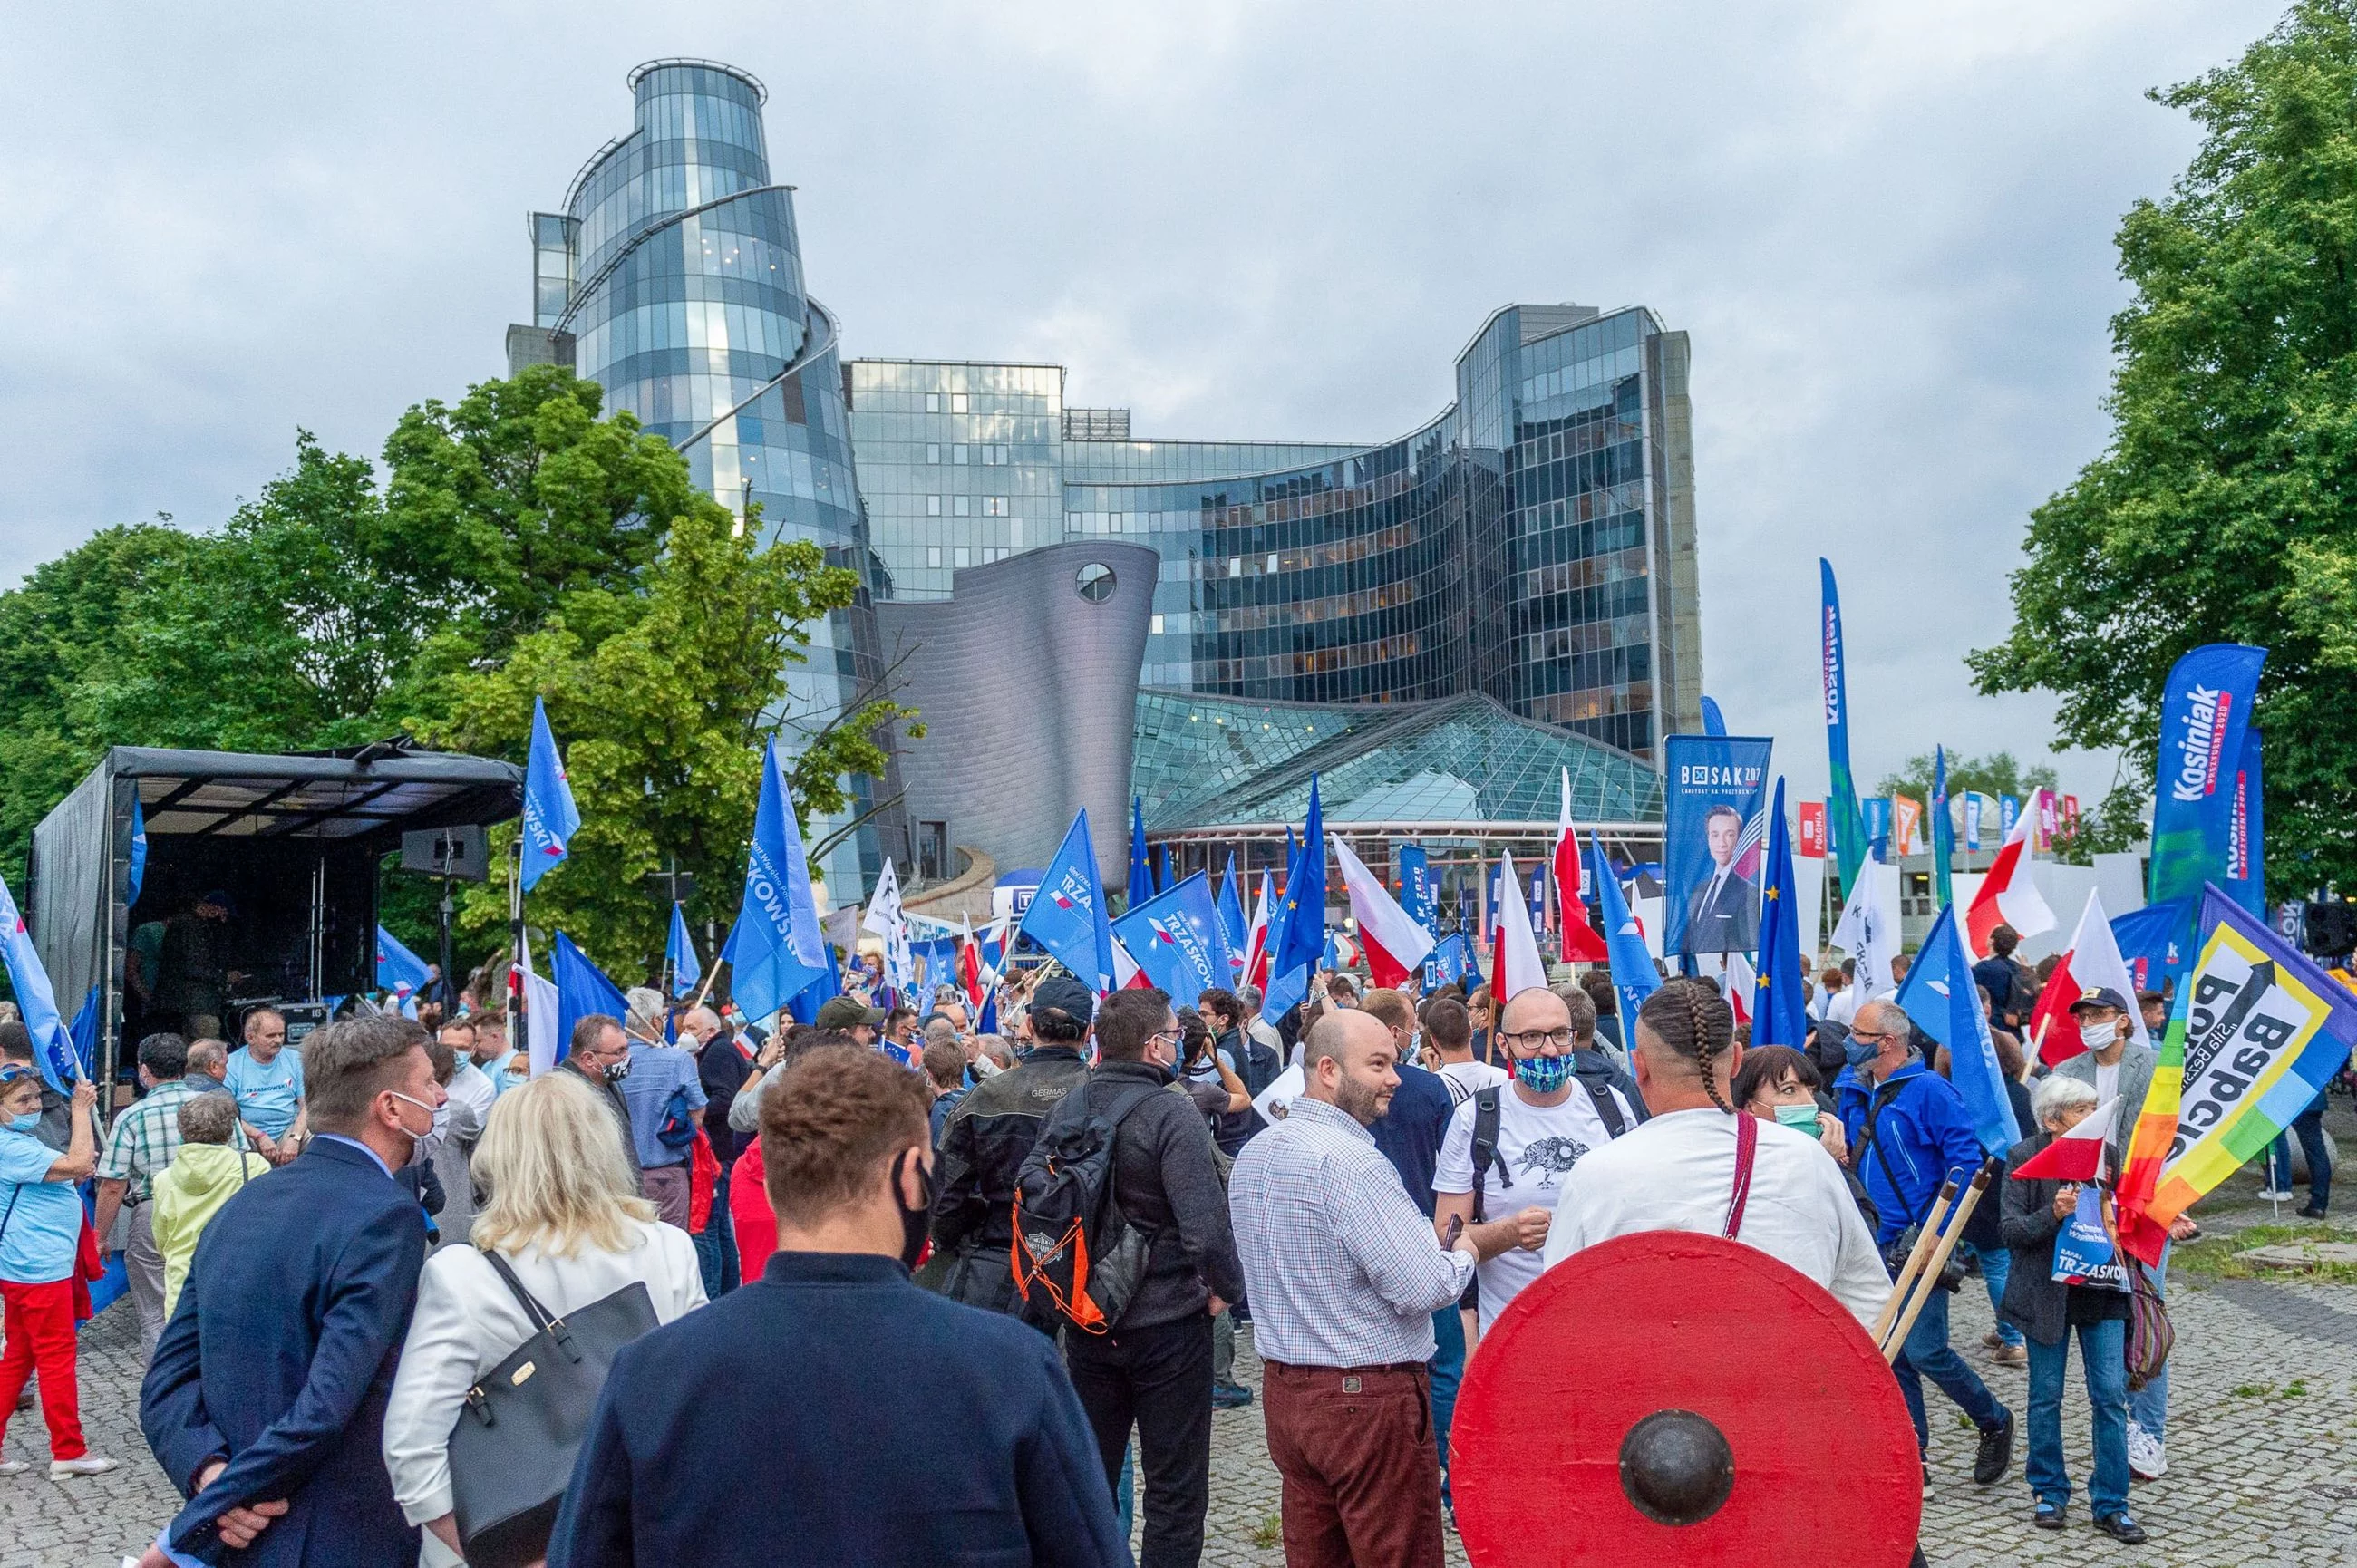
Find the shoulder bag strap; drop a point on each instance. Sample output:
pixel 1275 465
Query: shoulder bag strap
pixel 1486 1116
pixel 11 1214
pixel 540 1318
pixel 1747 1151
pixel 1884 1098
pixel 1608 1109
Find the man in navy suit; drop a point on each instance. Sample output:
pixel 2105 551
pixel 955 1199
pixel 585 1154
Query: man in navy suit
pixel 832 1411
pixel 265 1401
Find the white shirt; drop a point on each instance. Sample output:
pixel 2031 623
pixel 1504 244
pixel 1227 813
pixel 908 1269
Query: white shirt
pixel 1341 1266
pixel 1677 1172
pixel 467 1323
pixel 2107 1082
pixel 1843 1005
pixel 1538 1146
pixel 1472 1078
pixel 471 1091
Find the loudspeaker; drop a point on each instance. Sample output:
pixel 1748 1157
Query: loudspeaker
pixel 2331 929
pixel 461 851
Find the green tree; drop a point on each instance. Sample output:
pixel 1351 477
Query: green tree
pixel 1996 775
pixel 2224 509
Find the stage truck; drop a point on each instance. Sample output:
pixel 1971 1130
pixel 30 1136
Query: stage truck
pixel 175 885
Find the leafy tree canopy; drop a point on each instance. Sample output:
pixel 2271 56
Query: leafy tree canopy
pixel 2224 509
pixel 1997 775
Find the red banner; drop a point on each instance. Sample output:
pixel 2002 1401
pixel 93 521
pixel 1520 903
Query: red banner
pixel 1813 831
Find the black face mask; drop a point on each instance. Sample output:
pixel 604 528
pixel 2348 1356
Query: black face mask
pixel 916 1223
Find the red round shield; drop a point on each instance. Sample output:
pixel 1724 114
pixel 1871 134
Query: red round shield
pixel 1543 1463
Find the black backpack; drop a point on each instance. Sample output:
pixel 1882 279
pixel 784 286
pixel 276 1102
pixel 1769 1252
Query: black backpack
pixel 1485 1130
pixel 1072 1245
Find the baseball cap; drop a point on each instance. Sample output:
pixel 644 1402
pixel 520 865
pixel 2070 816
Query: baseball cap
pixel 1065 996
pixel 2100 996
pixel 848 1013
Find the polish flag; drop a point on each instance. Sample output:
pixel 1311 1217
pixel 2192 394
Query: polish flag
pixel 1515 965
pixel 1739 982
pixel 969 962
pixel 2076 1155
pixel 1580 942
pixel 1256 937
pixel 1395 943
pixel 1127 975
pixel 2006 895
pixel 2092 961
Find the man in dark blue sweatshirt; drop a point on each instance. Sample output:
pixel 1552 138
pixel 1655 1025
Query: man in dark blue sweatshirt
pixel 832 1411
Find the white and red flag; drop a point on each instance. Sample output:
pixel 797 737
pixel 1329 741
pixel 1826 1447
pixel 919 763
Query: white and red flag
pixel 1395 943
pixel 1515 965
pixel 2092 963
pixel 1256 937
pixel 2076 1155
pixel 2006 895
pixel 969 963
pixel 1580 942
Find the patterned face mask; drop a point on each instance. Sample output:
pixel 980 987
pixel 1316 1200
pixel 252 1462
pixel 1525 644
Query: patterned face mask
pixel 1543 1075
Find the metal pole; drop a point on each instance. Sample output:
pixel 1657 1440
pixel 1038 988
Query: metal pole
pixel 515 936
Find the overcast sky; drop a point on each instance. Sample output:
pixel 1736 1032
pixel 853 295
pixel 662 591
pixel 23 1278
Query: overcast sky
pixel 1888 228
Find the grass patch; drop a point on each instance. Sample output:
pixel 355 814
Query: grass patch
pixel 2255 1390
pixel 2213 1256
pixel 1270 1533
pixel 2295 1389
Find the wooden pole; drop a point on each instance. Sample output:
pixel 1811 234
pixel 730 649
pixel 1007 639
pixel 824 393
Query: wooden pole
pixel 1925 1239
pixel 1929 1281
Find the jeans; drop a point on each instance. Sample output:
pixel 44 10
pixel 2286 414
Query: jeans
pixel 2309 1125
pixel 716 1244
pixel 2149 1406
pixel 1158 1379
pixel 1447 1367
pixel 2102 1357
pixel 1997 1267
pixel 1927 1354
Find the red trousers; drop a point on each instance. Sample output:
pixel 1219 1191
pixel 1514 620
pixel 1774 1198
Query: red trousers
pixel 39 1322
pixel 1361 1472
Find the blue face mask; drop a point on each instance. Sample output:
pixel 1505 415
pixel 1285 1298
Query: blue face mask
pixel 25 1124
pixel 1543 1075
pixel 1860 1053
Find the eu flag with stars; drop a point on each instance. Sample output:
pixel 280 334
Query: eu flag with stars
pixel 1304 941
pixel 1778 1015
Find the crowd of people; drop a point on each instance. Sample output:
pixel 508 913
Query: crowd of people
pixel 343 1252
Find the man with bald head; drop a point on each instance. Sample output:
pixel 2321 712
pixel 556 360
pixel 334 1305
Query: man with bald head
pixel 1909 1132
pixel 1344 1272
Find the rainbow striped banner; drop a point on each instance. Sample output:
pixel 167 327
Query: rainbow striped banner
pixel 2257 1033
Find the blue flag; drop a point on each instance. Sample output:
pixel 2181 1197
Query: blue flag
pixel 1635 978
pixel 582 989
pixel 53 1050
pixel 138 849
pixel 1449 960
pixel 1779 993
pixel 1304 941
pixel 2246 838
pixel 2151 943
pixel 1162 882
pixel 1944 831
pixel 1416 891
pixel 679 955
pixel 1944 1001
pixel 1713 721
pixel 1232 929
pixel 1843 822
pixel 1141 869
pixel 398 970
pixel 1067 915
pixel 83 1033
pixel 2205 713
pixel 1174 937
pixel 802 1005
pixel 549 816
pixel 775 949
pixel 1284 992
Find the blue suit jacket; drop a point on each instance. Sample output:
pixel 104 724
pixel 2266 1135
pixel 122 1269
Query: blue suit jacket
pixel 833 1412
pixel 279 1358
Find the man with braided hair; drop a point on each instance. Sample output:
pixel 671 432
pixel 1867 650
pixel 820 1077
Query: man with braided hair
pixel 1677 1172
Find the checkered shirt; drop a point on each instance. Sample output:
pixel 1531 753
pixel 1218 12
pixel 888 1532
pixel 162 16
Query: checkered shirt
pixel 147 1136
pixel 1341 1268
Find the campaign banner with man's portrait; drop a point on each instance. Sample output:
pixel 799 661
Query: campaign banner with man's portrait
pixel 1713 829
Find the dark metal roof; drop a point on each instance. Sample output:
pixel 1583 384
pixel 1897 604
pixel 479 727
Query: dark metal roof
pixel 379 789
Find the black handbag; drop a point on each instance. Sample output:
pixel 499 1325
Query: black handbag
pixel 511 1451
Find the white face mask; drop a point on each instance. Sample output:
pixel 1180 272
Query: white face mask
pixel 2095 1036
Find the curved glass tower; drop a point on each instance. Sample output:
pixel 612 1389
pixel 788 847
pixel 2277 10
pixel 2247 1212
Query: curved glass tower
pixel 675 279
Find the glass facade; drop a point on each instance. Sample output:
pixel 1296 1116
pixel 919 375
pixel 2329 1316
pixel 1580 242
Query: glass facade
pixel 1532 543
pixel 676 267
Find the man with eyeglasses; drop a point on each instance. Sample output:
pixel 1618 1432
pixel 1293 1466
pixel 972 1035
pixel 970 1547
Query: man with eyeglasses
pixel 602 1053
pixel 1509 1147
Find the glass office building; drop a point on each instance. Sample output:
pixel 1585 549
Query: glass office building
pixel 1532 543
pixel 672 276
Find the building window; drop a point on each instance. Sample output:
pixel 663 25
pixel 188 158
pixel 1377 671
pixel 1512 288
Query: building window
pixel 932 554
pixel 961 506
pixel 994 506
pixel 932 452
pixel 933 851
pixel 958 452
pixel 933 506
pixel 964 555
pixel 957 402
pixel 932 403
pixel 1155 626
pixel 1095 581
pixel 1015 531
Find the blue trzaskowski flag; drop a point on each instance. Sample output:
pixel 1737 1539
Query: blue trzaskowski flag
pixel 1944 1002
pixel 1635 978
pixel 679 954
pixel 398 970
pixel 549 816
pixel 1233 928
pixel 776 949
pixel 1067 916
pixel 582 989
pixel 1141 868
pixel 1778 1015
pixel 1174 937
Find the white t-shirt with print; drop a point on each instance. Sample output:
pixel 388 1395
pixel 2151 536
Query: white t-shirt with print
pixel 1471 1078
pixel 1537 1146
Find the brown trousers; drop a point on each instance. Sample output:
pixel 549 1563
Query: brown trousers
pixel 1362 1473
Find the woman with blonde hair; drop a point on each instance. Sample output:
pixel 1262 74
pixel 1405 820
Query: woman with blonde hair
pixel 563 1212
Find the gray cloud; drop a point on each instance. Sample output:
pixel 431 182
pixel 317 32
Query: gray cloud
pixel 1888 228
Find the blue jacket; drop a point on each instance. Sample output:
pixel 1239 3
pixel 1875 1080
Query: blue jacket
pixel 1410 1133
pixel 1923 1136
pixel 279 1358
pixel 832 1411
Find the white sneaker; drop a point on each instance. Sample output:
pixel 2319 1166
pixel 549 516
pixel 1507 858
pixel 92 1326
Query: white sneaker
pixel 2146 1460
pixel 88 1464
pixel 2274 1195
pixel 13 1466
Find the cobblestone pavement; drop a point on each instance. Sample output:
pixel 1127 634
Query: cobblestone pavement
pixel 2263 1468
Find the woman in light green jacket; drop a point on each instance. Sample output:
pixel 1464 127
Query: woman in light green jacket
pixel 205 1174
